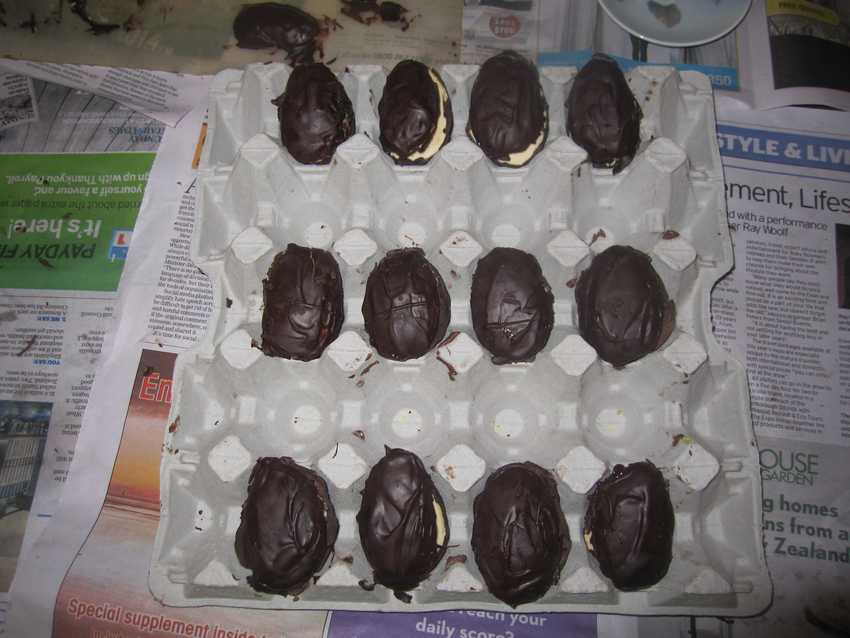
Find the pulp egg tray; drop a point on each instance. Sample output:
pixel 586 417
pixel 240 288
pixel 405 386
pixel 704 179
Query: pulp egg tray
pixel 685 407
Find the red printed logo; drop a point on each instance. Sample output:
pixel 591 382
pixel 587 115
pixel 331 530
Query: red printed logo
pixel 504 26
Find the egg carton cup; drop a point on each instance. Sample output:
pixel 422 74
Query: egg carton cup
pixel 685 407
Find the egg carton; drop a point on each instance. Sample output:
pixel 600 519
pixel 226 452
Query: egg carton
pixel 685 407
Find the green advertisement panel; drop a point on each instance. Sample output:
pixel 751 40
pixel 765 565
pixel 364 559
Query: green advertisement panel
pixel 66 220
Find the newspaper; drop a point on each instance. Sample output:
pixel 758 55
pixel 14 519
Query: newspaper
pixel 166 97
pixel 788 177
pixel 567 32
pixel 197 37
pixel 808 46
pixel 71 182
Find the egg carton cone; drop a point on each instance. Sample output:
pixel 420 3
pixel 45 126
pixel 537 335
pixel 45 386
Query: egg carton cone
pixel 685 406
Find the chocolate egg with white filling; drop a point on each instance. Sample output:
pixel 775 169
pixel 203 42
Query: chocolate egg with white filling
pixel 508 112
pixel 415 113
pixel 402 522
pixel 603 116
pixel 288 526
pixel 623 307
pixel 520 537
pixel 315 114
pixel 628 526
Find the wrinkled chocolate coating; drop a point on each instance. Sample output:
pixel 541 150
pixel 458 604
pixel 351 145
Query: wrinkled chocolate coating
pixel 603 116
pixel 288 527
pixel 520 536
pixel 623 308
pixel 409 112
pixel 271 24
pixel 630 523
pixel 507 108
pixel 399 524
pixel 303 303
pixel 315 114
pixel 406 307
pixel 512 305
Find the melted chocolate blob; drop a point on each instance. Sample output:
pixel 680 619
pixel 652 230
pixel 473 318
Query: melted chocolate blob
pixel 603 116
pixel 315 114
pixel 628 526
pixel 303 303
pixel 512 305
pixel 407 306
pixel 508 113
pixel 402 522
pixel 623 308
pixel 520 536
pixel 288 527
pixel 415 113
pixel 271 24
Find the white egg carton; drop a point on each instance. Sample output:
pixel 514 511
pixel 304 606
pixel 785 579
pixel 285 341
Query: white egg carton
pixel 685 407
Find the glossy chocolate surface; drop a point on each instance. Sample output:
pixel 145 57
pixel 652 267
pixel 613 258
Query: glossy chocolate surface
pixel 402 522
pixel 623 308
pixel 303 303
pixel 272 24
pixel 512 305
pixel 415 113
pixel 629 524
pixel 406 307
pixel 315 114
pixel 603 116
pixel 508 113
pixel 520 536
pixel 288 527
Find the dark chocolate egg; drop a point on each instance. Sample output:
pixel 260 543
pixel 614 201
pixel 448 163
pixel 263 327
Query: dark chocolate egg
pixel 603 116
pixel 508 113
pixel 623 308
pixel 406 307
pixel 303 303
pixel 315 114
pixel 415 113
pixel 288 527
pixel 520 537
pixel 628 526
pixel 271 24
pixel 402 522
pixel 512 305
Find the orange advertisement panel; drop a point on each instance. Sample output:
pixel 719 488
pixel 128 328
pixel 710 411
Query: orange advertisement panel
pixel 105 593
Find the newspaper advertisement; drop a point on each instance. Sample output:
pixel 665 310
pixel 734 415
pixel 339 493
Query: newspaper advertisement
pixel 198 37
pixel 568 32
pixel 17 100
pixel 809 52
pixel 68 202
pixel 788 192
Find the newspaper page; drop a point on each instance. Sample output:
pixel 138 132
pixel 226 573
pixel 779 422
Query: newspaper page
pixel 166 97
pixel 198 37
pixel 17 100
pixel 568 32
pixel 809 53
pixel 70 187
pixel 784 310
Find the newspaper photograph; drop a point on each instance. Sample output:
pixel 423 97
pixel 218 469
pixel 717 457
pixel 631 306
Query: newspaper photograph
pixel 808 46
